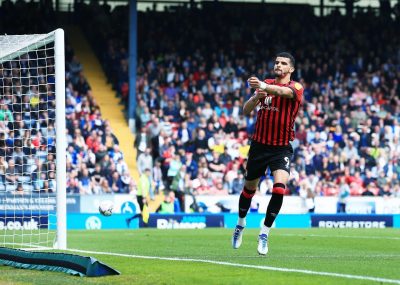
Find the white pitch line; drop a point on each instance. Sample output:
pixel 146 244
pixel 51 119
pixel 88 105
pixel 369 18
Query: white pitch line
pixel 270 268
pixel 330 236
pixel 322 256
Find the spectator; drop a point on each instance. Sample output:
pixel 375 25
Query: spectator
pixel 179 185
pixel 344 193
pixel 142 141
pixel 144 161
pixel 369 191
pixel 11 175
pixel 216 166
pixel 115 183
pixel 167 206
pixel 158 177
pixel 85 184
pixel 97 178
pixel 237 184
pixel 191 165
pixel 175 165
pixel 349 151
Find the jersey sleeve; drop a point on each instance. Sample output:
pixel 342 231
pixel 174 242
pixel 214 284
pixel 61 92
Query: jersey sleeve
pixel 297 89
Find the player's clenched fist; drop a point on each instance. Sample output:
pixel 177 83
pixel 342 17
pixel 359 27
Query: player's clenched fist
pixel 254 82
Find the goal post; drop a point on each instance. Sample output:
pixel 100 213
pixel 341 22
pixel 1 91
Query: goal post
pixel 33 138
pixel 60 141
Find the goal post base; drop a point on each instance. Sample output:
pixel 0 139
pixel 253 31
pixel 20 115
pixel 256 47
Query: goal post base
pixel 51 261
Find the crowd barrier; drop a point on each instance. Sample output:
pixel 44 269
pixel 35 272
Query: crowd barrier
pixel 202 221
pixel 219 211
pixel 76 221
pixel 127 204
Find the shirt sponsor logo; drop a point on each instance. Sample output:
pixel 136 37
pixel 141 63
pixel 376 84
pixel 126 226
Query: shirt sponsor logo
pixel 267 105
pixel 269 108
pixel 297 86
pixel 268 100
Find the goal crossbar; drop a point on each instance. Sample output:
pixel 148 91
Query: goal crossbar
pixel 17 45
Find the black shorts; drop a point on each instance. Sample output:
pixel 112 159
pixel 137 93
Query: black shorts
pixel 262 156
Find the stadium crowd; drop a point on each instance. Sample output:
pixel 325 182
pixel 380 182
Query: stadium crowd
pixel 191 87
pixel 95 163
pixel 192 136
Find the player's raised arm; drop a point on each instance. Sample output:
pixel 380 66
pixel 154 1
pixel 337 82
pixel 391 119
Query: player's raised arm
pixel 282 91
pixel 254 100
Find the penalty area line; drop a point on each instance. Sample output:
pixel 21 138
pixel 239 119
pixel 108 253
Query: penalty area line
pixel 262 267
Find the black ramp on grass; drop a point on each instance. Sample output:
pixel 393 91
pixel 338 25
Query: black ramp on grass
pixel 60 262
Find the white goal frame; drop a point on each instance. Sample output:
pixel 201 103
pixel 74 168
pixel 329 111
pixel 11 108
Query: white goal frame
pixel 18 45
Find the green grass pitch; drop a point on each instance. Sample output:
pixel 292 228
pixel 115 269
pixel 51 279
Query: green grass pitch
pixel 356 252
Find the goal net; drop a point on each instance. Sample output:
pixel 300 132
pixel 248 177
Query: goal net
pixel 32 141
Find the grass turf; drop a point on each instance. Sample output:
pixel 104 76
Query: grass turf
pixel 364 252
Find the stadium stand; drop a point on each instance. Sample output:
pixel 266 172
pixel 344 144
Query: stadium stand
pixel 95 163
pixel 189 102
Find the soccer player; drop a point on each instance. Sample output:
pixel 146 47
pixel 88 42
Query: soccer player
pixel 279 100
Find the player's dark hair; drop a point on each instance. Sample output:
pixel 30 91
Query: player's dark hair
pixel 287 55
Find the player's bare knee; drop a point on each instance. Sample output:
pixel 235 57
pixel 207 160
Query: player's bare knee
pixel 251 185
pixel 281 176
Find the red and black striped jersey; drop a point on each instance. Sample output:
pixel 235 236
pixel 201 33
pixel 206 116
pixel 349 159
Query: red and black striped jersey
pixel 276 116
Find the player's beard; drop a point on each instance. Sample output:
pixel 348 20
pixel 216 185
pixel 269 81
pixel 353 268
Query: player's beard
pixel 279 73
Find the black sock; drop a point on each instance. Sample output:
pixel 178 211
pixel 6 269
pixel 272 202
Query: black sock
pixel 275 204
pixel 245 201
